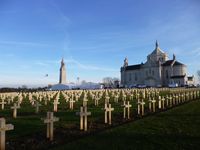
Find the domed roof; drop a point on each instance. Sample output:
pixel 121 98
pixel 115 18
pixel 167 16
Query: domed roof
pixel 60 87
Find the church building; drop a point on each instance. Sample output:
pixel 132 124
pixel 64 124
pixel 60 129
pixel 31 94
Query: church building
pixel 158 70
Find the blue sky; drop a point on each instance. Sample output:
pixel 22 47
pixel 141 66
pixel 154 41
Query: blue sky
pixel 93 36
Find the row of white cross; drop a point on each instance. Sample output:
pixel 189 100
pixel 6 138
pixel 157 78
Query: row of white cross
pixel 163 102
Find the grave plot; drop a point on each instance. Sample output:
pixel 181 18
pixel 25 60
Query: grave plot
pixel 122 105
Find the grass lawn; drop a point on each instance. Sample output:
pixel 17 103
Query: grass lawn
pixel 178 128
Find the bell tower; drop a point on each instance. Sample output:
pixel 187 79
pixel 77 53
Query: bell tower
pixel 62 79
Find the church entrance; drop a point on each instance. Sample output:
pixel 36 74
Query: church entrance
pixel 150 82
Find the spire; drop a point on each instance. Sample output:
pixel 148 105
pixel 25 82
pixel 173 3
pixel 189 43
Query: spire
pixel 174 57
pixel 62 62
pixel 125 62
pixel 157 44
pixel 62 79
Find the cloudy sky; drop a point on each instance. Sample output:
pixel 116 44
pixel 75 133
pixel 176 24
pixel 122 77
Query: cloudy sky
pixel 93 36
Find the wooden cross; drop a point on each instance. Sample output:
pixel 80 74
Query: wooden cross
pixel 108 115
pixel 3 128
pixel 50 122
pixel 83 117
pixel 15 107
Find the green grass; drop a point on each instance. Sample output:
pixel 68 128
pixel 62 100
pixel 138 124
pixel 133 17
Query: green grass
pixel 175 129
pixel 178 128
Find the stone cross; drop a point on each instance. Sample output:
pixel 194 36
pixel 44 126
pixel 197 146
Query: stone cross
pixel 85 100
pixel 83 117
pixel 2 104
pixel 45 101
pixel 142 107
pixel 154 105
pixel 163 102
pixel 176 99
pixel 3 128
pixel 37 105
pixel 50 122
pixel 108 116
pixel 138 104
pixel 116 98
pixel 107 98
pixel 71 103
pixel 96 101
pixel 15 107
pixel 159 102
pixel 167 101
pixel 55 105
pixel 170 101
pixel 150 104
pixel 127 107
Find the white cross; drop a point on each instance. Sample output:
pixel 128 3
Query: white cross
pixel 108 111
pixel 15 107
pixel 2 104
pixel 127 107
pixel 50 122
pixel 55 105
pixel 159 102
pixel 71 103
pixel 96 101
pixel 85 100
pixel 142 106
pixel 37 105
pixel 3 128
pixel 83 117
pixel 163 102
pixel 154 105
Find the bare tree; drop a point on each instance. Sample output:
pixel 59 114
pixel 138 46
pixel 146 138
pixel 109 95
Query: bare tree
pixel 109 81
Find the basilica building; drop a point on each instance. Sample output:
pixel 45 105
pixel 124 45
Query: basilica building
pixel 158 70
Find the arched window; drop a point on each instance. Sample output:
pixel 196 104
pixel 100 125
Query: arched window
pixel 167 76
pixel 135 76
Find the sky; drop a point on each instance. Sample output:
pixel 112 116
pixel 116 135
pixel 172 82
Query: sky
pixel 92 36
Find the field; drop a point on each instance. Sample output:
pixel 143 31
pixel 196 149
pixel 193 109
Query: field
pixel 175 129
pixel 172 128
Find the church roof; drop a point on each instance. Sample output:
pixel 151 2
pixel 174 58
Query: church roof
pixel 59 87
pixel 169 63
pixel 157 50
pixel 134 67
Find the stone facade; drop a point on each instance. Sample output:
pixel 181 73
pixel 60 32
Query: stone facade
pixel 158 70
pixel 62 79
